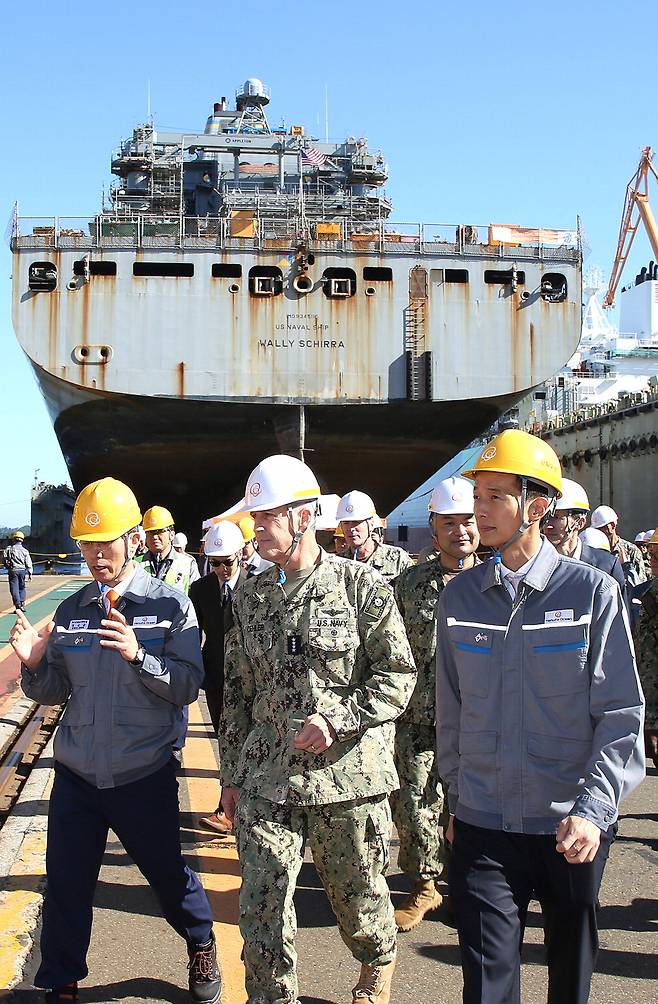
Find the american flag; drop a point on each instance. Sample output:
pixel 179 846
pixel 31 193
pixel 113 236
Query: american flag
pixel 313 156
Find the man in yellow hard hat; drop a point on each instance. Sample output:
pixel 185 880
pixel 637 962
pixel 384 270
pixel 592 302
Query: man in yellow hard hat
pixel 564 526
pixel 177 569
pixel 123 653
pixel 18 563
pixel 162 560
pixel 539 731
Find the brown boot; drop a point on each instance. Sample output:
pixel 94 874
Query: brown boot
pixel 423 898
pixel 374 984
pixel 219 823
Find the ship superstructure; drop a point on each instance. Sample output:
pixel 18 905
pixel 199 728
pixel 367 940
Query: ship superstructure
pixel 246 293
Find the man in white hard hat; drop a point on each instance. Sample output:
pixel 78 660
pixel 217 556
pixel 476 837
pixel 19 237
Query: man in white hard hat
pixel 642 541
pixel 358 518
pixel 563 526
pixel 179 542
pixel 418 805
pixel 630 557
pixel 212 597
pixel 317 669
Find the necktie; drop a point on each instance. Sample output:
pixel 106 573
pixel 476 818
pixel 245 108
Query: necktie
pixel 226 594
pixel 514 581
pixel 111 598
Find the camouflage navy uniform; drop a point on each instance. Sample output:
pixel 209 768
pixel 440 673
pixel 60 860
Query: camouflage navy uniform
pixel 631 560
pixel 419 804
pixel 645 636
pixel 337 646
pixel 388 560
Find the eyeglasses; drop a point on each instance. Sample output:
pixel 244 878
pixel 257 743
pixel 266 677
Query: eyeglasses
pixel 216 562
pixel 95 545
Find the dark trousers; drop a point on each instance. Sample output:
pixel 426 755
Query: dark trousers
pixel 17 586
pixel 144 816
pixel 214 701
pixel 493 877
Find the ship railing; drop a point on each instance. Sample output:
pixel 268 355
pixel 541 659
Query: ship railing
pixel 247 230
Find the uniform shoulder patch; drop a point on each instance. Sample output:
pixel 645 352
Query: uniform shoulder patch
pixel 377 601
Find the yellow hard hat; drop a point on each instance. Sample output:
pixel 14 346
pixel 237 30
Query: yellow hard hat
pixel 157 518
pixel 517 452
pixel 338 532
pixel 247 524
pixel 18 535
pixel 653 539
pixel 104 510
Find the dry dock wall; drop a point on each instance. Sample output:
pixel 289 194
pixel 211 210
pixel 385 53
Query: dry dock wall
pixel 613 453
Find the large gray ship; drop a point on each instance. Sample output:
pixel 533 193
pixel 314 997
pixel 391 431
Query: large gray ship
pixel 246 293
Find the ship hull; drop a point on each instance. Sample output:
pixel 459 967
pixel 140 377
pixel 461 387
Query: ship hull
pixel 195 456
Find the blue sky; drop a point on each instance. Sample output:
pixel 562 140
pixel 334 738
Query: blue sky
pixel 486 112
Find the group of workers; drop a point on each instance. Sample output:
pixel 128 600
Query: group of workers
pixel 485 698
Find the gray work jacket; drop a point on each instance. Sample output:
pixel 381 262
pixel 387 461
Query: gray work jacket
pixel 120 721
pixel 539 704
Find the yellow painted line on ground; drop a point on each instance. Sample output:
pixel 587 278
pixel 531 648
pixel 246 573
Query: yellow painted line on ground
pixel 217 859
pixel 20 905
pixel 37 596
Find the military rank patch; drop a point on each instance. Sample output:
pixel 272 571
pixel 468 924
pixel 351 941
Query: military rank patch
pixel 294 644
pixel 377 601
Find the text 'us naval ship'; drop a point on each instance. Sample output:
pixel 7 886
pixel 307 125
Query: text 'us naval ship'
pixel 246 294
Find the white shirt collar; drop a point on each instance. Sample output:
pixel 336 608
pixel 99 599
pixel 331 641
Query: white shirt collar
pixel 513 579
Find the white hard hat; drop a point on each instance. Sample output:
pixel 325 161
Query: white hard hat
pixel 603 515
pixel 454 495
pixel 222 540
pixel 574 497
pixel 180 540
pixel 594 538
pixel 327 520
pixel 640 537
pixel 356 506
pixel 279 480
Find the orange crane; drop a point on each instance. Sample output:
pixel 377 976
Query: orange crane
pixel 636 210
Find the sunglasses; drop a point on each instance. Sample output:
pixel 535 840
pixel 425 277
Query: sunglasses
pixel 216 562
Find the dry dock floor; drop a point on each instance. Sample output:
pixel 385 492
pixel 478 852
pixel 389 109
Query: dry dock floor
pixel 135 957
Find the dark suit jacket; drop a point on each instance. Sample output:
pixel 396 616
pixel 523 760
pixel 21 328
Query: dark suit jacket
pixel 215 621
pixel 607 562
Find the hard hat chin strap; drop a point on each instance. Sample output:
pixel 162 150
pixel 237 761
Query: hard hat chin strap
pixel 128 557
pixel 525 523
pixel 296 538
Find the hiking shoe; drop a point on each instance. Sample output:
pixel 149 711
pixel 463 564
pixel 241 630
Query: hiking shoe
pixel 422 898
pixel 205 979
pixel 60 995
pixel 219 823
pixel 374 984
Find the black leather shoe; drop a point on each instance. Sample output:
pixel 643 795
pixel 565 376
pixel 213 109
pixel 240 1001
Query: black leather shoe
pixel 205 979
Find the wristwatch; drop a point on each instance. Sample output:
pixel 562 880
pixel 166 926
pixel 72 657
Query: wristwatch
pixel 139 658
